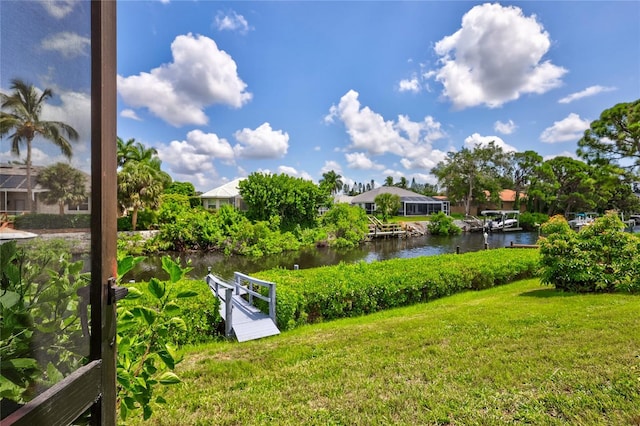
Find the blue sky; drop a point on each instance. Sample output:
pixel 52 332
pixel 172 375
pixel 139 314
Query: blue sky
pixel 368 89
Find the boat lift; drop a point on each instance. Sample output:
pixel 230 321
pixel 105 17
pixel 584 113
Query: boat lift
pixel 509 220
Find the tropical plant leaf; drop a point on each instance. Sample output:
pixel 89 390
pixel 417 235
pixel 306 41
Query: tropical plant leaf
pixel 169 378
pixel 156 288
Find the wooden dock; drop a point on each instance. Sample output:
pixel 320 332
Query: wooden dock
pixel 242 319
pixel 377 229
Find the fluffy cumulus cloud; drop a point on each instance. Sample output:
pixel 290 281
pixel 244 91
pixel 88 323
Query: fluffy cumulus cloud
pixel 68 44
pixel 505 128
pixel 569 129
pixel 589 91
pixel 200 75
pixel 231 22
pixel 263 142
pixel 495 57
pixel 360 160
pixel 59 8
pixel 478 140
pixel 372 135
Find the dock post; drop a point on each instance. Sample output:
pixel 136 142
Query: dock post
pixel 457 249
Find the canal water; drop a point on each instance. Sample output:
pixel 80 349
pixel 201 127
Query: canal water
pixel 381 249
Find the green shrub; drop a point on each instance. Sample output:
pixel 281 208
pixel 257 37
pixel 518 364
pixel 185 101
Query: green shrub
pixel 52 221
pixel 441 224
pixel 124 223
pixel 600 257
pixel 345 225
pixel 532 221
pixel 312 295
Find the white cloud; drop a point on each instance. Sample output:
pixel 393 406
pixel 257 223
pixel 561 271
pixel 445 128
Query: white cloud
pixel 200 75
pixel 410 85
pixel 505 128
pixel 262 142
pixel 359 160
pixel 369 131
pixel 193 159
pixel 231 22
pixel 483 141
pixel 129 113
pixel 495 57
pixel 68 44
pixel 331 165
pixel 589 91
pixel 569 129
pixel 59 8
pixel 210 144
pixel 291 171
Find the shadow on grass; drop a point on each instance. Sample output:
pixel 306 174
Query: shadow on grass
pixel 545 293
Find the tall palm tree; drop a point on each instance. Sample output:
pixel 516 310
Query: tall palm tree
pixel 388 181
pixel 20 114
pixel 332 181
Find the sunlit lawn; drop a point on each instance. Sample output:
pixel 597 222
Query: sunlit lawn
pixel 515 354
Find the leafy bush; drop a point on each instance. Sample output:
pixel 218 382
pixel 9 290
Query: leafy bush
pixel 532 221
pixel 312 295
pixel 345 225
pixel 600 257
pixel 150 326
pixel 42 340
pixel 441 224
pixel 52 221
pixel 124 223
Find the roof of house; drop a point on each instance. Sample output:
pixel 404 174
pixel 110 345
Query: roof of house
pixel 342 198
pixel 404 194
pixel 508 195
pixel 228 190
pixel 13 177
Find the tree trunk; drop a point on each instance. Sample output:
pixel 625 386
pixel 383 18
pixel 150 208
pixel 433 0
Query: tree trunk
pixel 29 188
pixel 134 218
pixel 61 208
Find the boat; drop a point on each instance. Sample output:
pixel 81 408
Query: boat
pixel 581 220
pixel 501 224
pixel 501 220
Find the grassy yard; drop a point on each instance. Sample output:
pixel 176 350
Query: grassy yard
pixel 515 354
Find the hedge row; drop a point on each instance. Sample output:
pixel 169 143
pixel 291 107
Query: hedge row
pixel 53 221
pixel 314 295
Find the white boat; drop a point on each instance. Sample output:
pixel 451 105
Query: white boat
pixel 500 224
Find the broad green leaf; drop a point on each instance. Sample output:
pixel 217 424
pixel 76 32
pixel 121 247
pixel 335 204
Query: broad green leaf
pixel 9 299
pixel 178 323
pixel 185 294
pixel 160 400
pixel 147 314
pixel 172 268
pixel 147 412
pixel 134 293
pixel 53 374
pixel 127 263
pixel 169 378
pixel 167 358
pixel 156 288
pixel 171 308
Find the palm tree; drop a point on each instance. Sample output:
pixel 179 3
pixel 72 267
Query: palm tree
pixel 24 107
pixel 139 185
pixel 388 181
pixel 64 183
pixel 332 181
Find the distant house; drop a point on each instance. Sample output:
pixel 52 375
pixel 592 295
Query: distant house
pixel 411 203
pixel 13 192
pixel 507 201
pixel 227 194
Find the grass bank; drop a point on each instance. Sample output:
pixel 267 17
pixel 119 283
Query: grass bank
pixel 519 353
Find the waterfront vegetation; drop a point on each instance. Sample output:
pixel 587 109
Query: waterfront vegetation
pixel 521 353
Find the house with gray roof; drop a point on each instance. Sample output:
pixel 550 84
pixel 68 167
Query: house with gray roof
pixel 411 203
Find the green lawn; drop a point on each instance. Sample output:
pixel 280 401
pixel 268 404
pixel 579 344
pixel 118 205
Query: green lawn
pixel 515 354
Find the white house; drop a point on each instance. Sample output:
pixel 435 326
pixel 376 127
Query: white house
pixel 223 195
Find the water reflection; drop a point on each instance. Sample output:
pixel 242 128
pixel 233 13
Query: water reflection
pixel 316 257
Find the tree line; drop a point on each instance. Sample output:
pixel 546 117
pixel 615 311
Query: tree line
pixel 601 179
